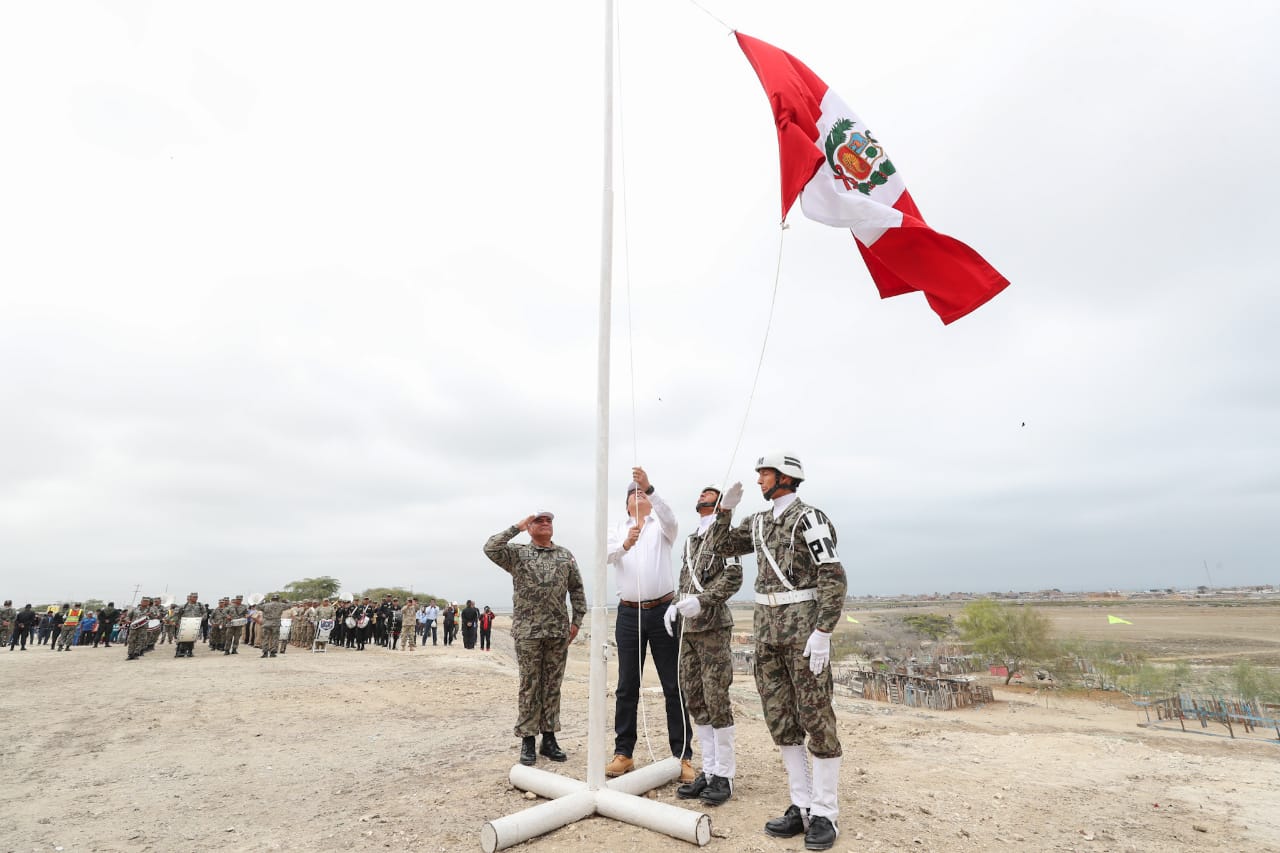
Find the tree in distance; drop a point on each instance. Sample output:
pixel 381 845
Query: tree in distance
pixel 312 588
pixel 1009 633
pixel 935 626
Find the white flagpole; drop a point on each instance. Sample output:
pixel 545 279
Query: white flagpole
pixel 596 758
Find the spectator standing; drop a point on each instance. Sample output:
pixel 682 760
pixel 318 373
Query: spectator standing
pixel 470 624
pixel 486 629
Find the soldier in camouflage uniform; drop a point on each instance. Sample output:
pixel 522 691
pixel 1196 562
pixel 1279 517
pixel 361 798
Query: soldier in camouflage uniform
pixel 800 589
pixel 324 611
pixel 542 573
pixel 9 623
pixel 269 616
pixel 409 625
pixel 193 608
pixel 218 625
pixel 707 582
pixel 157 612
pixel 136 645
pixel 231 634
pixel 169 627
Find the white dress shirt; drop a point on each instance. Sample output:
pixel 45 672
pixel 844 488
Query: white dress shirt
pixel 644 571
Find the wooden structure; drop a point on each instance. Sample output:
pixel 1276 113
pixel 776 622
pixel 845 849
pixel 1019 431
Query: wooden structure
pixel 1248 714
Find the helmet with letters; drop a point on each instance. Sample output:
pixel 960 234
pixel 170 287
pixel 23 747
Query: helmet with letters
pixel 783 463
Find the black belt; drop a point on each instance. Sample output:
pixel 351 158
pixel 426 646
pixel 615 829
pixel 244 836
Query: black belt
pixel 648 604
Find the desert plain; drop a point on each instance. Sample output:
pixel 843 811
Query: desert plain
pixel 411 751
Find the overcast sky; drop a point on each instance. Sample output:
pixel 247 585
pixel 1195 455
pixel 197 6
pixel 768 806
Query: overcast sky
pixel 294 289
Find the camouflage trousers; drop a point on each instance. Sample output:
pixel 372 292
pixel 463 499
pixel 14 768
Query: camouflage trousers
pixel 269 638
pixel 66 638
pixel 170 634
pixel 408 640
pixel 706 671
pixel 137 643
pixel 217 633
pixel 231 637
pixel 796 702
pixel 541 662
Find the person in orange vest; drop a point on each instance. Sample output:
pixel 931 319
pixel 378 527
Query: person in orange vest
pixel 69 625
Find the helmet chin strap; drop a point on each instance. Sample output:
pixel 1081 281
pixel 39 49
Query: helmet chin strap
pixel 705 504
pixel 778 484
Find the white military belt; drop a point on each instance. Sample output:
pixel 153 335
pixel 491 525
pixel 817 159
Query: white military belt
pixel 773 599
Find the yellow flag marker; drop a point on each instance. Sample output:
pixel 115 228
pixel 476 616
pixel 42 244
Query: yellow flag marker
pixel 1116 620
pixel 854 621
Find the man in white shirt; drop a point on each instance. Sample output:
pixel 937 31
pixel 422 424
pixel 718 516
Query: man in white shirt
pixel 639 550
pixel 429 617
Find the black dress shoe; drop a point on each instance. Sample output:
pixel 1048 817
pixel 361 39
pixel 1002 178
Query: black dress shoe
pixel 789 825
pixel 264 654
pixel 821 834
pixel 718 791
pixel 528 753
pixel 691 790
pixel 551 749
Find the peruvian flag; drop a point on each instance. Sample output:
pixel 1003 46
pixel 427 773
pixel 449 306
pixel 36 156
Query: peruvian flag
pixel 844 178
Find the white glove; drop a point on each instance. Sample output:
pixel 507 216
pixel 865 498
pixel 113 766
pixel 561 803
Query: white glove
pixel 818 651
pixel 669 619
pixel 689 606
pixel 732 497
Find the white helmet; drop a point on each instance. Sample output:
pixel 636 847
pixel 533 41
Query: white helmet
pixel 783 463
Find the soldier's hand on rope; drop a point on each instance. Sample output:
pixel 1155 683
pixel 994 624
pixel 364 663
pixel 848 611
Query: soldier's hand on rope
pixel 689 606
pixel 818 651
pixel 732 497
pixel 669 619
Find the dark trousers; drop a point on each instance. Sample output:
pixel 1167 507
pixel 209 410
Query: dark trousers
pixel 18 635
pixel 486 637
pixel 638 632
pixel 469 635
pixel 103 636
pixel 429 627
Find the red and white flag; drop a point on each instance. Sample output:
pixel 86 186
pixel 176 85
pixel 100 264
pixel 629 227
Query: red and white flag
pixel 843 177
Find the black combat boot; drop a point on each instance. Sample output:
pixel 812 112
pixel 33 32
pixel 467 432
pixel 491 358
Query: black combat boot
pixel 177 654
pixel 264 653
pixel 789 825
pixel 528 750
pixel 691 790
pixel 718 791
pixel 821 834
pixel 551 749
pixel 273 654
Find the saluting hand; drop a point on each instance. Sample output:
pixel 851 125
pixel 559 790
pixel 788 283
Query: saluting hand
pixel 523 524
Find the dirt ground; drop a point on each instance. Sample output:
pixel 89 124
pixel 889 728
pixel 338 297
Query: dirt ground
pixel 387 750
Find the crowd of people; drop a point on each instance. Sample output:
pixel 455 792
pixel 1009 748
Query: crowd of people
pixel 271 626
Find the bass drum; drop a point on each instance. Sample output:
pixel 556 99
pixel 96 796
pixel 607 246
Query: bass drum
pixel 363 623
pixel 188 629
pixel 285 625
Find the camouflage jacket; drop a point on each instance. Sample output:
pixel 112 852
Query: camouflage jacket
pixel 540 578
pixel 187 609
pixel 720 577
pixel 236 611
pixel 271 611
pixel 218 616
pixel 7 617
pixel 802 541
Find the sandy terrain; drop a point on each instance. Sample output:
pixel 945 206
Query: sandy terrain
pixel 378 750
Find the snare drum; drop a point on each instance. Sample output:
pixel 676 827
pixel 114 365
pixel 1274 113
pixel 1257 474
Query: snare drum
pixel 350 622
pixel 363 623
pixel 153 624
pixel 240 622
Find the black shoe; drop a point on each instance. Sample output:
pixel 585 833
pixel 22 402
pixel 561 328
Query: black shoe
pixel 264 654
pixel 233 651
pixel 551 749
pixel 177 654
pixel 718 791
pixel 273 654
pixel 691 790
pixel 821 834
pixel 226 651
pixel 528 755
pixel 132 657
pixel 789 825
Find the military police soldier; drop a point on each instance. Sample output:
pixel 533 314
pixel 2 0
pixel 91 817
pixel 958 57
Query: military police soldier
pixel 542 573
pixel 192 608
pixel 269 617
pixel 707 582
pixel 800 589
